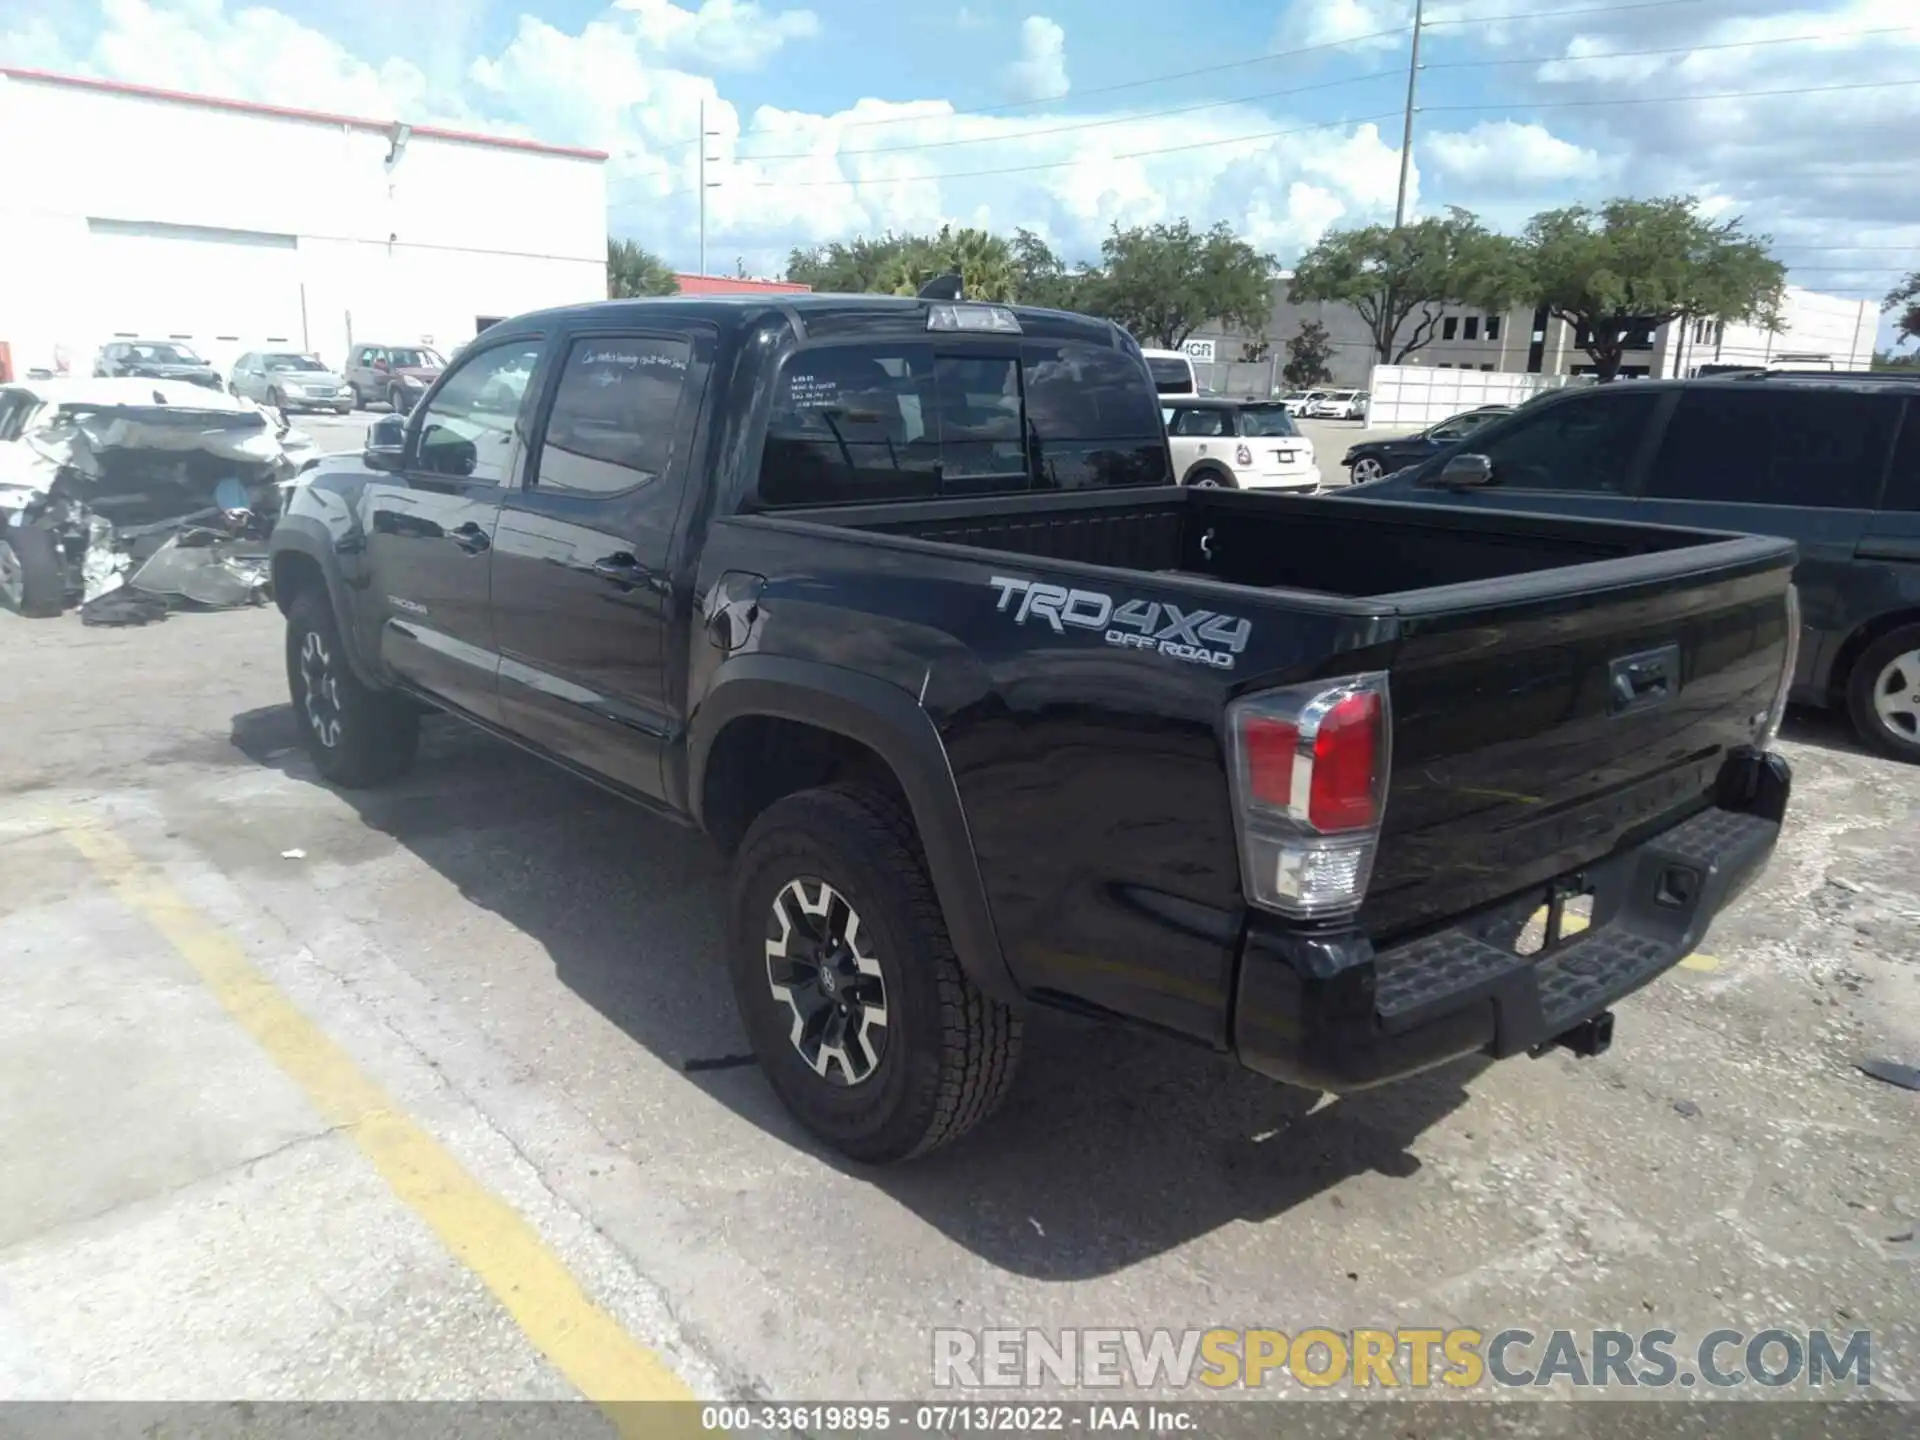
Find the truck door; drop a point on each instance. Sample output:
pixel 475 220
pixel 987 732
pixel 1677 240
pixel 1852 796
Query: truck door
pixel 1801 461
pixel 583 592
pixel 430 528
pixel 1889 552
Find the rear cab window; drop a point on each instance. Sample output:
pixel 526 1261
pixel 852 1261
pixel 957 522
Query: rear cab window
pixel 881 421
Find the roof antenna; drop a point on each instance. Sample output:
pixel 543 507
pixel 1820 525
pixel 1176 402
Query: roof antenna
pixel 943 287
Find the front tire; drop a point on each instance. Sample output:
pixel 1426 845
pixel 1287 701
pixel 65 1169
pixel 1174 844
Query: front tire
pixel 33 571
pixel 1883 694
pixel 1365 469
pixel 834 921
pixel 397 401
pixel 357 735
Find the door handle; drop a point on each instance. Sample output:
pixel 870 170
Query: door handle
pixel 470 538
pixel 621 569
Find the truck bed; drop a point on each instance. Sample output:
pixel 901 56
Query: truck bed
pixel 1323 545
pixel 1501 633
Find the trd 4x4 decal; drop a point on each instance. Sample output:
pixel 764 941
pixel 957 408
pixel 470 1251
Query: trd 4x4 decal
pixel 1198 636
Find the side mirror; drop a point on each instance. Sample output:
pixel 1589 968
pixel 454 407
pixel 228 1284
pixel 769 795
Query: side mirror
pixel 1467 472
pixel 386 446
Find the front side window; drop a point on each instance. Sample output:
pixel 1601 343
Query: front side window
pixel 1903 480
pixel 466 431
pixel 416 359
pixel 612 425
pixel 1583 444
pixel 1823 448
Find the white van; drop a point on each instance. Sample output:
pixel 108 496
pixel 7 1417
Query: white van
pixel 1172 372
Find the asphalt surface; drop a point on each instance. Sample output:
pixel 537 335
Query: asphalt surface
pixel 436 1092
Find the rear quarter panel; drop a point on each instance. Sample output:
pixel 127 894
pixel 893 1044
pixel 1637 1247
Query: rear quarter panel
pixel 1093 777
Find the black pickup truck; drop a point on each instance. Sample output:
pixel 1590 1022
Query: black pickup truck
pixel 894 600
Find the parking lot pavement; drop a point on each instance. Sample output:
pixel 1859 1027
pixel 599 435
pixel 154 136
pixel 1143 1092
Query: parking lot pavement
pixel 315 1095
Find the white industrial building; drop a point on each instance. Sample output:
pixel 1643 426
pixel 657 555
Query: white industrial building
pixel 133 212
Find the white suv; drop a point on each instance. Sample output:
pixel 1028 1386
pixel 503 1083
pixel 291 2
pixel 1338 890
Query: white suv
pixel 1239 445
pixel 1337 405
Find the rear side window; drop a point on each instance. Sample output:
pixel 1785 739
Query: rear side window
pixel 1775 446
pixel 870 423
pixel 613 420
pixel 1903 480
pixel 1585 444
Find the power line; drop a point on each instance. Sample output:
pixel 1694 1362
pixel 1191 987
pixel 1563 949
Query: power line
pixel 1134 117
pixel 1327 125
pixel 1348 43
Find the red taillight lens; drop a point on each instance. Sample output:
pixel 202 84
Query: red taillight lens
pixel 1271 746
pixel 1346 758
pixel 1310 767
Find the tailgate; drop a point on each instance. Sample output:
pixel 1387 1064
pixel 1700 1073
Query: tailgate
pixel 1543 721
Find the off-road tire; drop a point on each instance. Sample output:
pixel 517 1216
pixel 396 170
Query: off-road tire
pixel 1862 682
pixel 950 1051
pixel 378 731
pixel 43 570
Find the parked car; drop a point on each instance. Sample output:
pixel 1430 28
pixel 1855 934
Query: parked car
pixel 1295 401
pixel 895 602
pixel 154 360
pixel 289 382
pixel 1239 445
pixel 397 374
pixel 1172 372
pixel 1831 461
pixel 1338 405
pixel 1371 459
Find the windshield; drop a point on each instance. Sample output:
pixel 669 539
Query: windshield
pixel 162 353
pixel 1267 422
pixel 293 362
pixel 421 359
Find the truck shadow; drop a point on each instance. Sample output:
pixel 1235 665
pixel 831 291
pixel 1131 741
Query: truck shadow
pixel 1113 1148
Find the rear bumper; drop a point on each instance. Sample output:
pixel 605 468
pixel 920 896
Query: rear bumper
pixel 1296 482
pixel 1325 1010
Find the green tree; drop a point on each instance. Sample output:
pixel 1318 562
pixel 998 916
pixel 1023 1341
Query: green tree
pixel 985 264
pixel 1045 278
pixel 1888 360
pixel 1905 297
pixel 1163 282
pixel 1635 263
pixel 1392 277
pixel 849 267
pixel 1309 357
pixel 633 270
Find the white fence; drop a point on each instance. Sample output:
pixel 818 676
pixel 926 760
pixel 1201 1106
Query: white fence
pixel 1409 395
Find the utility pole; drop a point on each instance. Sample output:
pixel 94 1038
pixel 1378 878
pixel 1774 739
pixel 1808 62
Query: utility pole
pixel 1406 133
pixel 705 185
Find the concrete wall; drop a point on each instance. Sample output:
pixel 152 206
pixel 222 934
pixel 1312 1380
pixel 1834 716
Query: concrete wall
pixel 1408 396
pixel 234 228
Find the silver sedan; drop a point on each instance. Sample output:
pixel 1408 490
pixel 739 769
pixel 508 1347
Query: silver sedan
pixel 289 381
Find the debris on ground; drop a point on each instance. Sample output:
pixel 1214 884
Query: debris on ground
pixel 1907 1077
pixel 157 487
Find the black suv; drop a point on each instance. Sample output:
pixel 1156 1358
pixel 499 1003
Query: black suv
pixel 155 359
pixel 1829 460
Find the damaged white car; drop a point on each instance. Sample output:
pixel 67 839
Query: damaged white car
pixel 159 489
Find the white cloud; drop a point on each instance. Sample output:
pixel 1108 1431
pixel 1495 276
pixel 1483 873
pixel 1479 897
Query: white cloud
pixel 1338 22
pixel 726 34
pixel 1506 155
pixel 1041 71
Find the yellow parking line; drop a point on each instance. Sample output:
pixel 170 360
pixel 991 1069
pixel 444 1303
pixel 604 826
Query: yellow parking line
pixel 587 1345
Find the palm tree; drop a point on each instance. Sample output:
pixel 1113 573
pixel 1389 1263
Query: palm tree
pixel 986 265
pixel 633 271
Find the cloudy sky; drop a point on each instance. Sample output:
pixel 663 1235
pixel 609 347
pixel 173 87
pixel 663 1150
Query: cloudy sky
pixel 1282 117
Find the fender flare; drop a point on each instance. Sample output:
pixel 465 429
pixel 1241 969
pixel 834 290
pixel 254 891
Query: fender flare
pixel 301 535
pixel 891 723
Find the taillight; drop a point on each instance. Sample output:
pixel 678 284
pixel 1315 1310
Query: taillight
pixel 1310 769
pixel 1243 455
pixel 1770 728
